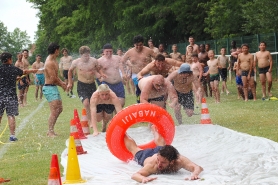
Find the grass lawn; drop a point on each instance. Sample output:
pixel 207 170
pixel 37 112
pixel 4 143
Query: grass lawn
pixel 27 161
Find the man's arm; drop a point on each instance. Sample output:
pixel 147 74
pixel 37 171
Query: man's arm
pixel 145 93
pixel 238 66
pixel 142 175
pixel 116 102
pixel 70 73
pixel 172 93
pixel 93 109
pixel 146 70
pixel 270 62
pixel 200 68
pixel 61 67
pixel 192 167
pixel 252 67
pixel 172 75
pixel 173 62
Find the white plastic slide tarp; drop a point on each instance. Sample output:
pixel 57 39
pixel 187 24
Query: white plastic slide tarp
pixel 228 157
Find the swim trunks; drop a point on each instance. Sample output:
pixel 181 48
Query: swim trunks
pixel 85 90
pixel 245 73
pixel 137 89
pixel 141 155
pixel 238 80
pixel 40 78
pixel 214 77
pixel 22 84
pixel 10 104
pixel 186 100
pixel 160 98
pixel 50 92
pixel 118 89
pixel 264 70
pixel 65 74
pixel 223 73
pixel 108 108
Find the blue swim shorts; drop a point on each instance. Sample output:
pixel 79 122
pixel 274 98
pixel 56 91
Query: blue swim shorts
pixel 40 78
pixel 51 93
pixel 118 89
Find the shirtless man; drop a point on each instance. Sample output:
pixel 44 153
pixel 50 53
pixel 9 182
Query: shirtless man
pixel 189 54
pixel 102 104
pixel 160 160
pixel 155 89
pixel 192 43
pixel 183 79
pixel 245 63
pixel 160 65
pixel 151 46
pixel 161 49
pixel 213 72
pixel 110 65
pixel 23 85
pixel 197 70
pixel 224 66
pixel 87 69
pixel 203 58
pixel 264 60
pixel 39 76
pixel 175 55
pixel 50 89
pixel 207 47
pixel 139 56
pixel 65 63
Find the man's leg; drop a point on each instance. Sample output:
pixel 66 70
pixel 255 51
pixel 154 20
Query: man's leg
pixel 40 87
pixel 216 89
pixel 106 119
pixel 263 82
pixel 158 139
pixel 269 80
pixel 131 145
pixel 253 88
pixel 122 100
pixel 86 104
pixel 56 108
pixel 245 87
pixel 25 96
pixel 37 92
pixel 11 120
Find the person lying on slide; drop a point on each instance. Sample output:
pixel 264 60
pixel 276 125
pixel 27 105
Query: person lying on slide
pixel 162 159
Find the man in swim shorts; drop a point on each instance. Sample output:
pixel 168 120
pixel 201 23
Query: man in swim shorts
pixel 8 97
pixel 160 160
pixel 39 76
pixel 264 60
pixel 139 56
pixel 246 65
pixel 183 79
pixel 50 89
pixel 87 70
pixel 64 65
pixel 155 89
pixel 102 104
pixel 160 65
pixel 109 66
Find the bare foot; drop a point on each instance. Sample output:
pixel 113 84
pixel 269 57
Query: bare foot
pixel 52 134
pixel 269 94
pixel 227 92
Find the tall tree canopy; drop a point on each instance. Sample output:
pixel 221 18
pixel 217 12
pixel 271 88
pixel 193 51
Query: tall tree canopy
pixel 96 22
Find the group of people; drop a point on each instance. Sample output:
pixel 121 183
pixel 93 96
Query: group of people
pixel 150 72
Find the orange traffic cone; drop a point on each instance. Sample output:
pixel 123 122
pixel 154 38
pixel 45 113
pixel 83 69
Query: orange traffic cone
pixel 53 178
pixel 74 133
pixel 205 118
pixel 84 122
pixel 73 175
pixel 78 125
pixel 2 180
pixel 55 164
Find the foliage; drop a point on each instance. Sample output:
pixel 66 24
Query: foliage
pixel 13 42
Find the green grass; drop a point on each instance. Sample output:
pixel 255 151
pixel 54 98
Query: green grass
pixel 27 161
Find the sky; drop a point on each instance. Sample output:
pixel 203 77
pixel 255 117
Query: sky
pixel 19 14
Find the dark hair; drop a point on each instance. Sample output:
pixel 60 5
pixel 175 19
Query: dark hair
pixel 25 50
pixel 119 49
pixel 160 57
pixel 138 39
pixel 5 56
pixel 64 50
pixel 169 152
pixel 263 42
pixel 52 48
pixel 150 40
pixel 207 44
pixel 223 48
pixel 194 55
pixel 107 46
pixel 245 45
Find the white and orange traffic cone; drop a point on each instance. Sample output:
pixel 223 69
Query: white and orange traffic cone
pixel 53 178
pixel 74 133
pixel 78 125
pixel 205 118
pixel 55 164
pixel 84 122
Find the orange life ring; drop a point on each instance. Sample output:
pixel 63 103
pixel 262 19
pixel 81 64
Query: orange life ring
pixel 143 112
